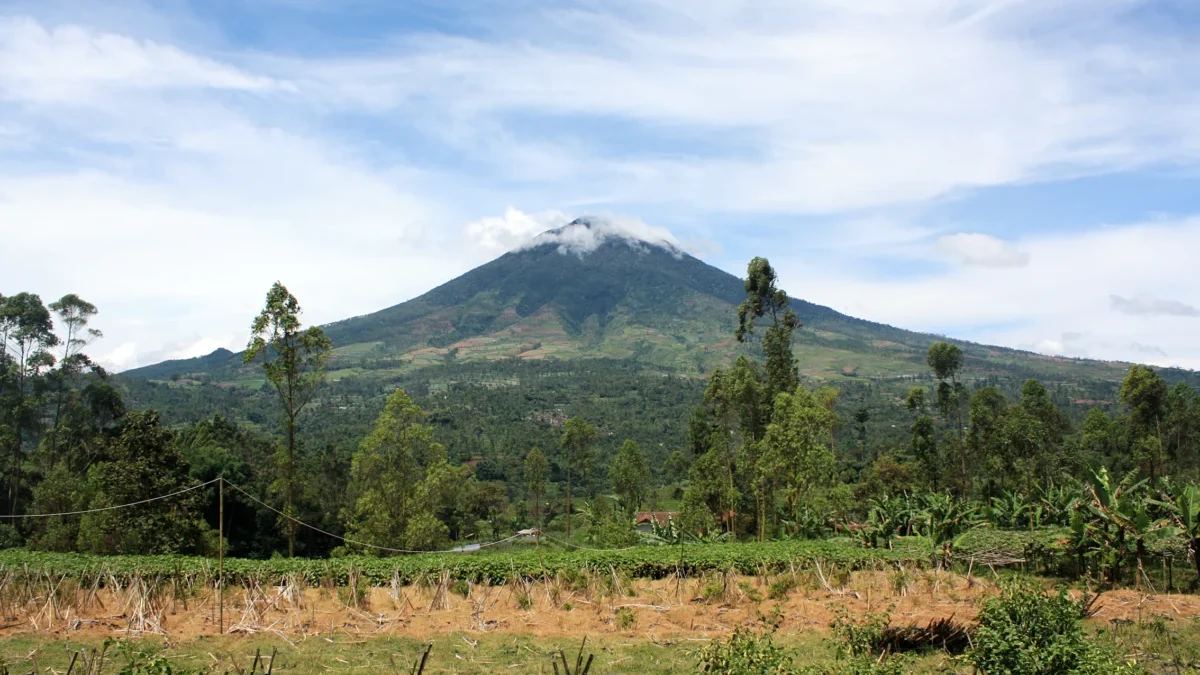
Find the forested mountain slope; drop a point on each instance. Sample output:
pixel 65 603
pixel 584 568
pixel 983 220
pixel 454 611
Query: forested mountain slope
pixel 619 298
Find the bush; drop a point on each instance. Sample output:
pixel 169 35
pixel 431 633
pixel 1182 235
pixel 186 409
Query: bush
pixel 860 638
pixel 9 537
pixel 1025 631
pixel 781 587
pixel 745 653
pixel 626 619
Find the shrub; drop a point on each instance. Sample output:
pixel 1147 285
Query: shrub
pixel 1025 631
pixel 860 638
pixel 745 653
pixel 750 591
pixel 524 601
pixel 9 537
pixel 781 587
pixel 626 618
pixel 713 590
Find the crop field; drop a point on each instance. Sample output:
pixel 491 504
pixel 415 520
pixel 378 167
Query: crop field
pixel 492 567
pixel 650 609
pixel 169 609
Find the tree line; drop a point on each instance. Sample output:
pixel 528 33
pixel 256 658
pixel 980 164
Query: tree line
pixel 765 453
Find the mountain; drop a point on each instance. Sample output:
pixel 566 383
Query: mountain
pixel 590 290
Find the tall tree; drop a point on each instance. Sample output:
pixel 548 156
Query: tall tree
pixel 294 361
pixel 925 449
pixel 537 471
pixel 795 444
pixel 1036 401
pixel 1145 394
pixel 28 336
pixel 1182 425
pixel 577 440
pixel 764 298
pixel 946 360
pixel 861 417
pixel 915 401
pixel 985 448
pixel 141 463
pixel 386 470
pixel 74 314
pixel 630 476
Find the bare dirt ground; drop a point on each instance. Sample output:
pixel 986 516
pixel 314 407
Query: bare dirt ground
pixel 657 610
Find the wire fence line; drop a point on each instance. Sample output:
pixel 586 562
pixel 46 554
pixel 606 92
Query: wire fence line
pixel 111 508
pixel 462 549
pixel 388 549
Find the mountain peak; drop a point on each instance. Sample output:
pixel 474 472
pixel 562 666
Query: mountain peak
pixel 588 233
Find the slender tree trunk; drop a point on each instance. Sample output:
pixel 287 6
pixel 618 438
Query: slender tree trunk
pixel 15 480
pixel 568 498
pixel 291 466
pixel 774 493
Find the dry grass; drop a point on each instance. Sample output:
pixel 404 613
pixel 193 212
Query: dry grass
pixel 581 603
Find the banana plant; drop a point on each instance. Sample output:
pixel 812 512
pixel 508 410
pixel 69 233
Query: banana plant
pixel 1183 504
pixel 1009 510
pixel 946 520
pixel 888 517
pixel 1058 503
pixel 1122 518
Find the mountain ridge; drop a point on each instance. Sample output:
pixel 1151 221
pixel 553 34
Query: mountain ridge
pixel 592 290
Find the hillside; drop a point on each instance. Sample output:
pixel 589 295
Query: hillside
pixel 619 298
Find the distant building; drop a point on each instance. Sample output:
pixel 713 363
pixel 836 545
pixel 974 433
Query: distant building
pixel 646 520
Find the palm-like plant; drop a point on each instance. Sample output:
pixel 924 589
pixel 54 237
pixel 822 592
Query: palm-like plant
pixel 1121 518
pixel 1009 510
pixel 946 520
pixel 1058 502
pixel 1183 504
pixel 887 517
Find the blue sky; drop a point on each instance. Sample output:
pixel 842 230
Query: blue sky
pixel 1016 172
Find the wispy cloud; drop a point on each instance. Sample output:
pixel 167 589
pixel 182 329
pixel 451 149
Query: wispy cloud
pixel 367 170
pixel 982 250
pixel 1148 305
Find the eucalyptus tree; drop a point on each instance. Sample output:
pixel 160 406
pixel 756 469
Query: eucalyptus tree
pixel 630 476
pixel 795 447
pixel 1145 393
pixel 577 440
pixel 386 470
pixel 74 314
pixel 765 299
pixel 537 471
pixel 293 359
pixel 27 337
pixel 946 360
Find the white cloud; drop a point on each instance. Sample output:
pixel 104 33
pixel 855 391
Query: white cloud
pixel 982 250
pixel 835 106
pixel 499 234
pixel 185 180
pixel 67 63
pixel 1065 287
pixel 585 234
pixel 123 357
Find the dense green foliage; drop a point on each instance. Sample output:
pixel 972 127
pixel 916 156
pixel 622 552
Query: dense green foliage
pixel 1025 631
pixel 417 455
pixel 496 566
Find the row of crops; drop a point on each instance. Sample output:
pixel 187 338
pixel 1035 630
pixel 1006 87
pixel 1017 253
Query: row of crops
pixel 501 565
